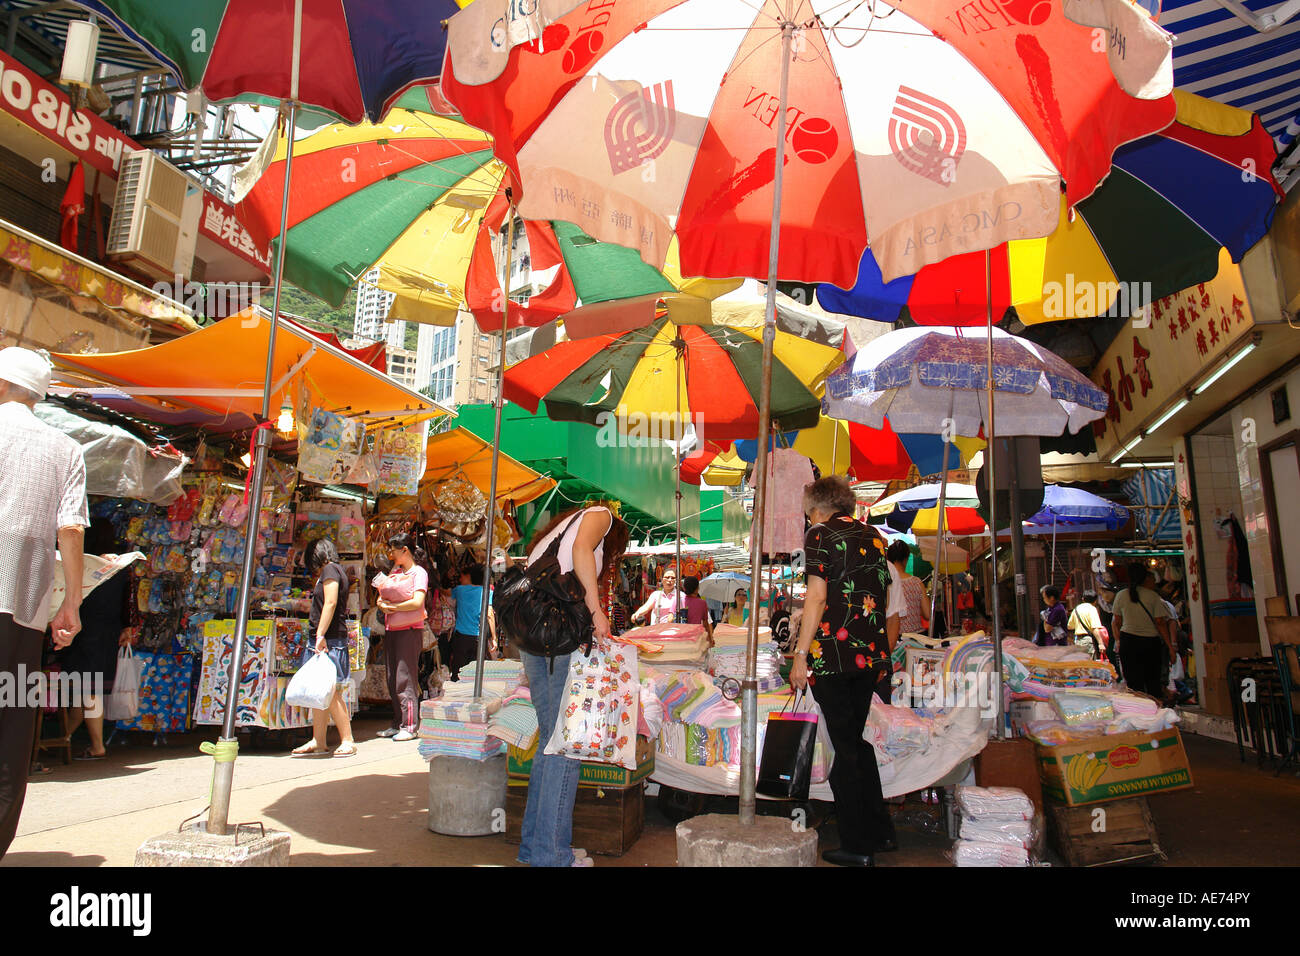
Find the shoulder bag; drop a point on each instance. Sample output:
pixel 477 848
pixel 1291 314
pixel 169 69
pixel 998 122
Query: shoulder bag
pixel 543 610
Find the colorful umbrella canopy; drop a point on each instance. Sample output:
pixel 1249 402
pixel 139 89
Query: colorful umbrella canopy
pixel 714 465
pixel 932 379
pixel 716 368
pixel 1171 202
pixel 906 124
pixel 956 521
pixel 837 448
pixel 923 496
pixel 349 58
pixel 418 197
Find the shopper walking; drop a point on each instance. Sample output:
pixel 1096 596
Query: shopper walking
pixel 328 603
pixel 1051 628
pixel 849 623
pixel 406 587
pixel 1144 643
pixel 591 547
pixel 662 605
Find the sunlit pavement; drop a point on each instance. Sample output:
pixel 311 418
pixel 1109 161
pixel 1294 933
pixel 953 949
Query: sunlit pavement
pixel 371 810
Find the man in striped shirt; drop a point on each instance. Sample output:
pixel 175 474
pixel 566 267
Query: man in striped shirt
pixel 42 499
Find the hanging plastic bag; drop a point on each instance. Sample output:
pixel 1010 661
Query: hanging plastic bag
pixel 598 719
pixel 313 686
pixel 124 702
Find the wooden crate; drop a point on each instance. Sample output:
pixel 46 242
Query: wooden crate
pixel 1010 763
pixel 606 821
pixel 1129 833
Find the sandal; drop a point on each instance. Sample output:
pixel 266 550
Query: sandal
pixel 87 754
pixel 309 749
pixel 349 751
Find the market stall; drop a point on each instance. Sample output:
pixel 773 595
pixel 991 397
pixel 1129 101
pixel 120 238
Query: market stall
pixel 345 432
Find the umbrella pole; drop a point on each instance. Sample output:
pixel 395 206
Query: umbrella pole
pixel 227 747
pixel 749 686
pixel 677 493
pixel 989 457
pixel 938 541
pixel 496 458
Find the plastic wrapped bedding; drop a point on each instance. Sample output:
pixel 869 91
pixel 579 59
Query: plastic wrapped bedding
pixel 994 803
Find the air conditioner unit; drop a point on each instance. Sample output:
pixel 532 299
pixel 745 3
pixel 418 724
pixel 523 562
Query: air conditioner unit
pixel 149 228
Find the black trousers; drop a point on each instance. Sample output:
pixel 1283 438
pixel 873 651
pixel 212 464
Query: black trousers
pixel 845 700
pixel 20 653
pixel 464 651
pixel 402 659
pixel 1143 659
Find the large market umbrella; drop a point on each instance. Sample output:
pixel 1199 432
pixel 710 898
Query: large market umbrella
pixel 418 197
pixel 1154 227
pixel 921 376
pixel 349 59
pixel 673 374
pixel 655 115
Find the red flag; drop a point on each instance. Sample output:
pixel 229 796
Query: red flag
pixel 72 206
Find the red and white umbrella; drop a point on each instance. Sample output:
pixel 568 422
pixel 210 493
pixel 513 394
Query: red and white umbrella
pixel 931 127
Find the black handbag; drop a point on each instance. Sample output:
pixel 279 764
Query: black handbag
pixel 785 768
pixel 543 610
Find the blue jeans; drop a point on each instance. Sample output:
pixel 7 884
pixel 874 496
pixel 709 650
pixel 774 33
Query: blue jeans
pixel 553 783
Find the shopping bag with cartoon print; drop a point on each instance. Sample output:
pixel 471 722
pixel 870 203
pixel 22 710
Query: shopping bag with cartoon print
pixel 597 721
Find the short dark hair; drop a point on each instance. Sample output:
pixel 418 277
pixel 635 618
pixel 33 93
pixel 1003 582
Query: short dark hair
pixel 898 551
pixel 320 553
pixel 1089 596
pixel 1052 591
pixel 475 572
pixel 829 493
pixel 690 584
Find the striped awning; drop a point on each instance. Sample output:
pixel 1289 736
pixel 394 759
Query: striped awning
pixel 1219 55
pixel 49 22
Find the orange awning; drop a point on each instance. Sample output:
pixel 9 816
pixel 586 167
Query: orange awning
pixel 461 451
pixel 221 369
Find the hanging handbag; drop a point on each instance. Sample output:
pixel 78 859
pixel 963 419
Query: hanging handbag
pixel 543 610
pixel 785 767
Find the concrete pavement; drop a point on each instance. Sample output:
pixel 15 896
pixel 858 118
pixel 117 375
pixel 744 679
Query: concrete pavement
pixel 371 810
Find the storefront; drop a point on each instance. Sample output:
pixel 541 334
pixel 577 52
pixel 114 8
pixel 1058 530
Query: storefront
pixel 1204 393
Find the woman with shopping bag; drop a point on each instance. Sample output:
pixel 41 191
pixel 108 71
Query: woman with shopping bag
pixel 587 544
pixel 850 622
pixel 327 603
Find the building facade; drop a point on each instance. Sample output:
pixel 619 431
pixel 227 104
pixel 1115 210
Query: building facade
pixel 371 322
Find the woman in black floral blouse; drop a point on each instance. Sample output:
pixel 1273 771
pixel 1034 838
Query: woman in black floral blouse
pixel 850 622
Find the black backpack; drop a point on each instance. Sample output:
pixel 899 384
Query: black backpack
pixel 542 609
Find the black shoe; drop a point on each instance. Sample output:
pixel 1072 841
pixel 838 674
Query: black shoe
pixel 845 858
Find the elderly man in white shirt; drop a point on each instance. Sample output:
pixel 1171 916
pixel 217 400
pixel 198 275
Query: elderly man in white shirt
pixel 42 500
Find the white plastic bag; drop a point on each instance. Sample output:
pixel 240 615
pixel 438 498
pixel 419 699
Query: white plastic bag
pixel 598 718
pixel 313 686
pixel 124 702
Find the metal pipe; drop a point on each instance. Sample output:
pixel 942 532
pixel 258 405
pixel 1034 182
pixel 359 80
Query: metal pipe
pixel 943 494
pixel 1024 610
pixel 749 686
pixel 680 345
pixel 223 779
pixel 989 457
pixel 496 458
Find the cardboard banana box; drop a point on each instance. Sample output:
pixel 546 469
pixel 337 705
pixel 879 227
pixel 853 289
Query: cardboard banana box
pixel 1114 767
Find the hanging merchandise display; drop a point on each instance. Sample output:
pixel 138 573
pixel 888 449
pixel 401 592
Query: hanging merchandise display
pixel 400 460
pixel 329 446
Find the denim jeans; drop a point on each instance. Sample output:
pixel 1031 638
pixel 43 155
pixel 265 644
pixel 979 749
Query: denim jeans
pixel 553 783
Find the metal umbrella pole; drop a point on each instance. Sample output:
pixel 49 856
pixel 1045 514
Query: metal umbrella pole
pixel 749 686
pixel 680 345
pixel 496 458
pixel 989 458
pixel 227 746
pixel 943 494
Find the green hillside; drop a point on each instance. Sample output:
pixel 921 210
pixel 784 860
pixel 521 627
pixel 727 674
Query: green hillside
pixel 322 316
